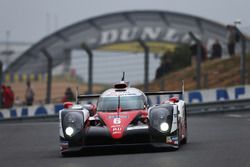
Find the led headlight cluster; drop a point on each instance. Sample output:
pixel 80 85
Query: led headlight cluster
pixel 69 131
pixel 160 118
pixel 72 123
pixel 164 126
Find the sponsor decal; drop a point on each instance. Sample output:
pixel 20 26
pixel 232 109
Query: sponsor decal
pixel 117 116
pixel 116 129
pixel 172 140
pixel 149 33
pixel 168 140
pixel 115 94
pixel 64 145
pixel 117 121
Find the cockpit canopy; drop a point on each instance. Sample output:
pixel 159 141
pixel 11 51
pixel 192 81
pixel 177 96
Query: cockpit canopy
pixel 129 99
pixel 111 103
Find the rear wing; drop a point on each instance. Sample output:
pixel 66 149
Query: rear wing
pixel 85 96
pixel 163 93
pixel 92 96
pixel 180 92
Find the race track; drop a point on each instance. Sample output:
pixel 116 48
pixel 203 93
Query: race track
pixel 221 140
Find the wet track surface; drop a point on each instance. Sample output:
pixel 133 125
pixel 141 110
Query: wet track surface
pixel 214 140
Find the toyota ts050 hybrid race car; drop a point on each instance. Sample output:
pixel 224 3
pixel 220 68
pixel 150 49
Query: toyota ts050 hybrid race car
pixel 123 116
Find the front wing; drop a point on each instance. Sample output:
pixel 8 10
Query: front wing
pixel 134 135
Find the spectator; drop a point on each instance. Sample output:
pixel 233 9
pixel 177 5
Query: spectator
pixel 7 97
pixel 2 93
pixel 29 94
pixel 68 95
pixel 194 51
pixel 216 50
pixel 231 40
pixel 11 95
pixel 18 102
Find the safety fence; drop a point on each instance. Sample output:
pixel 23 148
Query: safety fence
pixel 50 112
pixel 219 107
pixel 23 77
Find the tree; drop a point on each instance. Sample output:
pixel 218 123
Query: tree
pixel 173 61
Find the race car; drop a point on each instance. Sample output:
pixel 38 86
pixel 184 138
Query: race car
pixel 123 116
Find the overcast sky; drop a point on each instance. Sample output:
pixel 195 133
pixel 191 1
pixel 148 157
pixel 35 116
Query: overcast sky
pixel 31 20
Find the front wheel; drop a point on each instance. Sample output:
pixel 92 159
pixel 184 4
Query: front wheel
pixel 184 141
pixel 177 139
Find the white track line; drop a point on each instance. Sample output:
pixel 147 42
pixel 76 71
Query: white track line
pixel 235 115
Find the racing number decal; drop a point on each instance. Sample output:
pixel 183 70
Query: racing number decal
pixel 117 121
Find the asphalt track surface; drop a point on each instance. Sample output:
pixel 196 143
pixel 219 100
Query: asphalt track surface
pixel 221 140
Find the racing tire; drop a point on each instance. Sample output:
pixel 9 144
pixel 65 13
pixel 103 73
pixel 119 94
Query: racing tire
pixel 184 141
pixel 179 141
pixel 70 154
pixel 177 147
pixel 64 154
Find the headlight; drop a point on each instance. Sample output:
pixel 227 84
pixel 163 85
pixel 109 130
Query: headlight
pixel 69 131
pixel 164 126
pixel 74 120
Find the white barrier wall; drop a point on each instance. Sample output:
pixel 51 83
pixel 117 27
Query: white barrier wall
pixel 17 112
pixel 196 96
pixel 218 94
pixel 211 95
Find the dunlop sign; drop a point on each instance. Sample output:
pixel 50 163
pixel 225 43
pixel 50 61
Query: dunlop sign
pixel 160 34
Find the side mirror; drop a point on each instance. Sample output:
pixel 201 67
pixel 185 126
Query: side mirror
pixel 174 99
pixel 91 108
pixel 67 105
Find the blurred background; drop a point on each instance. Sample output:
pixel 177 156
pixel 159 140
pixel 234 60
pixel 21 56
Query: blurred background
pixel 48 48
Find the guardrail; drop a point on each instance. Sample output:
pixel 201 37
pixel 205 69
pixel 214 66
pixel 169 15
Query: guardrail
pixel 38 112
pixel 219 107
pixel 40 118
pixel 196 108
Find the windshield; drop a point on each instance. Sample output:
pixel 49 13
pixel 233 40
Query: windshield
pixel 126 103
